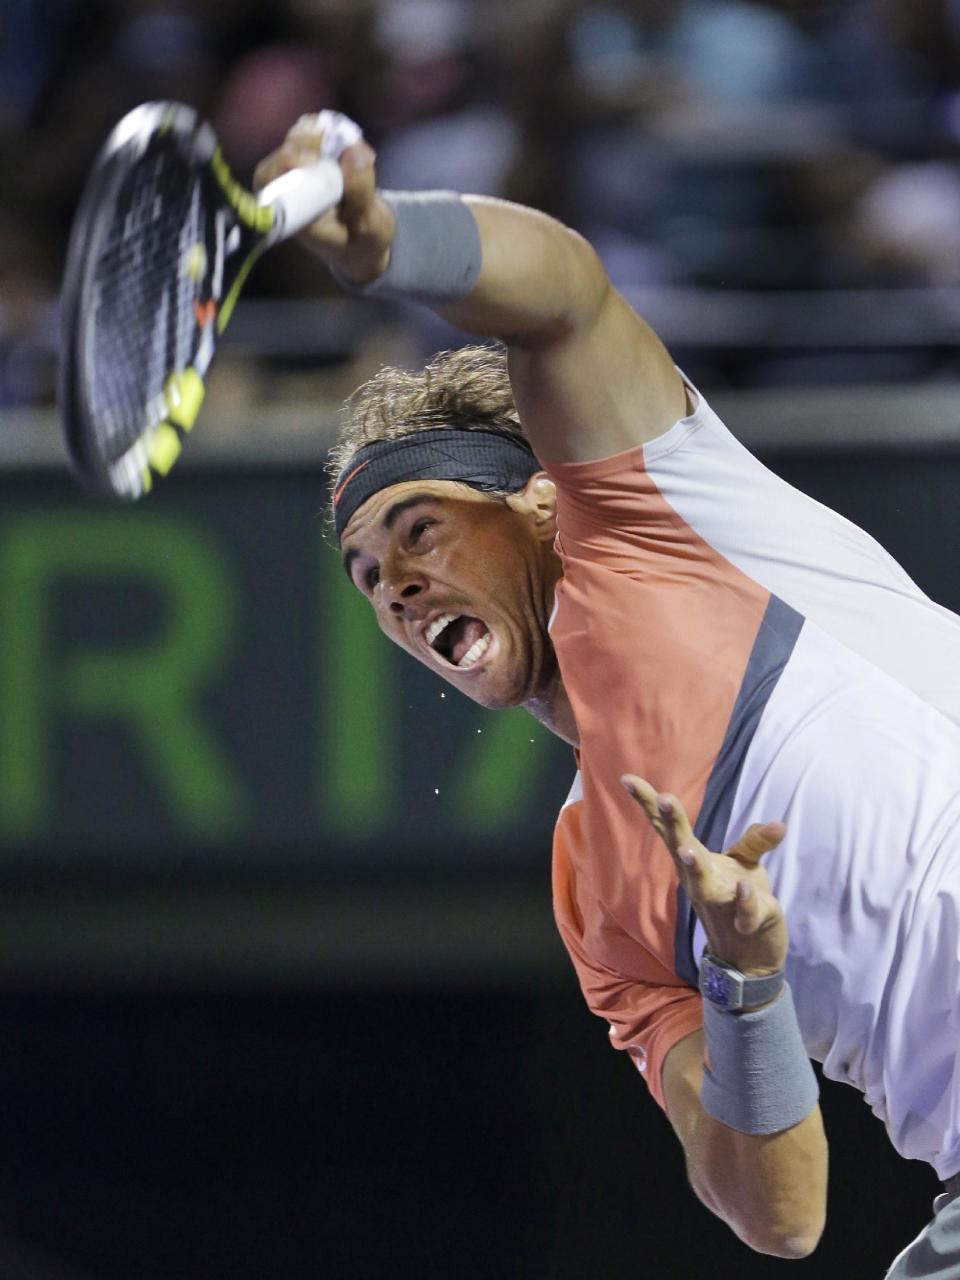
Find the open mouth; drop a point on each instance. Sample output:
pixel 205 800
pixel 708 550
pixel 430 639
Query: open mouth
pixel 460 640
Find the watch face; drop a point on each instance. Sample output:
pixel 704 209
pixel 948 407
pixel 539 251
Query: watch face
pixel 716 986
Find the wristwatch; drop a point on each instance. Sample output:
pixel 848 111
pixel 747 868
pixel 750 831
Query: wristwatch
pixel 729 989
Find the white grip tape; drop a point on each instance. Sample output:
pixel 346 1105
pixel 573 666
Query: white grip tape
pixel 301 196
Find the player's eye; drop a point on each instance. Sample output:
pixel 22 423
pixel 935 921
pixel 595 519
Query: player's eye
pixel 419 527
pixel 371 578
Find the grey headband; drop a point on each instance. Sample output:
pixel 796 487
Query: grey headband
pixel 480 458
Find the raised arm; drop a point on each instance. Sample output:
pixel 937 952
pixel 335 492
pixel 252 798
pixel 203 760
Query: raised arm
pixel 762 1167
pixel 590 377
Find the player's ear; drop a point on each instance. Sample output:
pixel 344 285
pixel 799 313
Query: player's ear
pixel 538 501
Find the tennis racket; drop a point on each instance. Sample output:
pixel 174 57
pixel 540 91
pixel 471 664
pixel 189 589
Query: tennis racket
pixel 161 245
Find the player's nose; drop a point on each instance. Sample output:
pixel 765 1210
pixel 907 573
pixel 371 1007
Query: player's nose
pixel 400 590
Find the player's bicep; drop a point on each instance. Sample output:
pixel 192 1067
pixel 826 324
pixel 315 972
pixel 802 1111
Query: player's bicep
pixel 599 389
pixel 590 377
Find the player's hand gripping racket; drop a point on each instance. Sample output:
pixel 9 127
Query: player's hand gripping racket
pixel 161 245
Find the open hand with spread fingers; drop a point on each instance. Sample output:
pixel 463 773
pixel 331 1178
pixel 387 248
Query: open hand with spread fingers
pixel 730 891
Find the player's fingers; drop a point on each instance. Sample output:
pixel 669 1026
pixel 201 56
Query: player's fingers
pixel 679 831
pixel 646 797
pixel 272 166
pixel 669 820
pixel 290 155
pixel 756 841
pixel 308 131
pixel 749 911
pixel 358 158
pixel 359 182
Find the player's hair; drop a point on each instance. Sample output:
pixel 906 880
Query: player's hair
pixel 468 389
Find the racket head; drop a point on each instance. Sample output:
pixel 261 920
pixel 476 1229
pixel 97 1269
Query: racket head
pixel 161 243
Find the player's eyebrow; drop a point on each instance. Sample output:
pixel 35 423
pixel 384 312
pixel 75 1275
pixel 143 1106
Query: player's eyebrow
pixel 398 508
pixel 393 514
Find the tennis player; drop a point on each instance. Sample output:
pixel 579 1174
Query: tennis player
pixel 563 524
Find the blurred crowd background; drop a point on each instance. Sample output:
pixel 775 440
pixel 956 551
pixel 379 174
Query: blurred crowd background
pixel 280 991
pixel 740 145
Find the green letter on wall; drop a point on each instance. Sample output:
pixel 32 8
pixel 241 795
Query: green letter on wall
pixel 356 766
pixel 154 689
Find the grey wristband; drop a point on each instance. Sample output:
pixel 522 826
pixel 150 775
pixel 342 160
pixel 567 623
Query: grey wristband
pixel 436 255
pixel 759 1079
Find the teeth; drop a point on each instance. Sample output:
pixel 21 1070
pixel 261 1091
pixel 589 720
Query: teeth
pixel 437 625
pixel 476 651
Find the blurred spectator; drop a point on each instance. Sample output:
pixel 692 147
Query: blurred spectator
pixel 724 143
pixel 306 63
pixel 905 229
pixel 437 113
pixel 264 93
pixel 27 320
pixel 148 50
pixel 686 109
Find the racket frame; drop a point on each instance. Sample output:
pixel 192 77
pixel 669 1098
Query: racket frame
pixel 278 212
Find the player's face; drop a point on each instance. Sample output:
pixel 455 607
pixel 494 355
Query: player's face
pixel 462 581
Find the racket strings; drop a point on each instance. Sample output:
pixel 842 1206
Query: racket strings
pixel 143 325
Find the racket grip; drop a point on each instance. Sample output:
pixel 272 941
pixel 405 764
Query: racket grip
pixel 300 196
